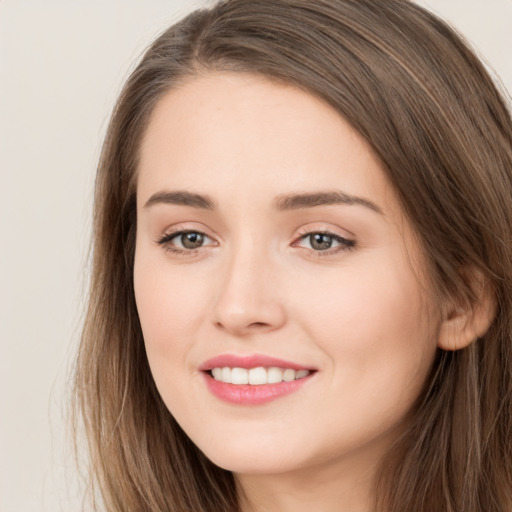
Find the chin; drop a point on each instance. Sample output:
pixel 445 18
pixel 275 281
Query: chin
pixel 253 458
pixel 257 465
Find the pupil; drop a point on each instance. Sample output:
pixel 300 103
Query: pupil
pixel 320 241
pixel 192 240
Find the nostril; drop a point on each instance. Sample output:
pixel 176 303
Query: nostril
pixel 250 326
pixel 258 324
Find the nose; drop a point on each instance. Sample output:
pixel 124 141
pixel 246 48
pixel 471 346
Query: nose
pixel 248 300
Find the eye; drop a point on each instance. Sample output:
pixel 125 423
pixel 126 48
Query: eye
pixel 190 240
pixel 184 242
pixel 324 242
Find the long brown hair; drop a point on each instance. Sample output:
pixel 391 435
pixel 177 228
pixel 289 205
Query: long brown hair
pixel 423 101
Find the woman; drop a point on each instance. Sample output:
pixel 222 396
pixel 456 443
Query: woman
pixel 301 291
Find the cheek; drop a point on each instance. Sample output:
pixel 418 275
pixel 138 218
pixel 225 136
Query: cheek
pixel 170 308
pixel 373 322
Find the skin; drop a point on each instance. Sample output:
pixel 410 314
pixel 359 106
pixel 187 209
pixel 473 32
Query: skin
pixel 359 315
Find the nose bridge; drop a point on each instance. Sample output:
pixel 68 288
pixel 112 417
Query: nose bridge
pixel 247 297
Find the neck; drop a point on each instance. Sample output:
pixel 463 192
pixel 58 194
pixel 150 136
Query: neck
pixel 326 488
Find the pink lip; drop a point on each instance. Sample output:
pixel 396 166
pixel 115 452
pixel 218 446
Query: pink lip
pixel 246 394
pixel 249 361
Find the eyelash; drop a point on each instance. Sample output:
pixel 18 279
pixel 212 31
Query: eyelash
pixel 167 238
pixel 344 243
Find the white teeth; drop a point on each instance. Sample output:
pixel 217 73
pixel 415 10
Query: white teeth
pixel 288 375
pixel 217 373
pixel 257 376
pixel 239 376
pixel 226 375
pixel 274 375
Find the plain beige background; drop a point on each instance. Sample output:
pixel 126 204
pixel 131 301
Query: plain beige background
pixel 62 64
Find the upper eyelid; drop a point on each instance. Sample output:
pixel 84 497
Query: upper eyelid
pixel 167 236
pixel 348 243
pixel 336 236
pixel 322 228
pixel 183 228
pixel 301 235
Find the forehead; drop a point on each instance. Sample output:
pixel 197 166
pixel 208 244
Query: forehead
pixel 235 134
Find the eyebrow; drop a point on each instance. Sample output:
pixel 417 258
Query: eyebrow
pixel 295 201
pixel 310 200
pixel 183 198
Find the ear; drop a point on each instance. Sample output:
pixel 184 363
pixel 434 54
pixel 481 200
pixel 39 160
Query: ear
pixel 463 324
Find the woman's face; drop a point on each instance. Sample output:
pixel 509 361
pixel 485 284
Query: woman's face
pixel 268 236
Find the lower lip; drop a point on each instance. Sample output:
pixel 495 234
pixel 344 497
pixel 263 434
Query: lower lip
pixel 247 394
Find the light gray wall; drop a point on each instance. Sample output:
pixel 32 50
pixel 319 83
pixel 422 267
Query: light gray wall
pixel 61 66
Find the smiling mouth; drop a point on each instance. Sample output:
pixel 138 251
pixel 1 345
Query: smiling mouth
pixel 256 376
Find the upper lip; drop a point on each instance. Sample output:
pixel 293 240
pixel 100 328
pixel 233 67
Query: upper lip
pixel 249 361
